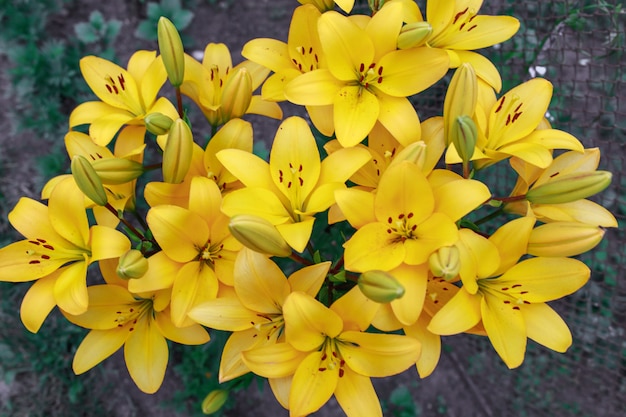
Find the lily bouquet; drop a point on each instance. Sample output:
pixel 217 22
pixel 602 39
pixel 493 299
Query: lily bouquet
pixel 386 226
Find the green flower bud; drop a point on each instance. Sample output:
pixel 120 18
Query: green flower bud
pixel 158 123
pixel 214 401
pixel 414 34
pixel 178 152
pixel 461 97
pixel 380 286
pixel 237 95
pixel 464 135
pixel 132 264
pixel 88 180
pixel 570 187
pixel 172 52
pixel 445 262
pixel 258 234
pixel 563 239
pixel 117 170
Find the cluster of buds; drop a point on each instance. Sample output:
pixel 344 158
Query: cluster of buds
pixel 386 250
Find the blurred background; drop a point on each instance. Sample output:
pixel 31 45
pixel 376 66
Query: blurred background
pixel 579 45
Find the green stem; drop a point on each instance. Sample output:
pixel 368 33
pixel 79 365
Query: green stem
pixel 301 260
pixel 130 227
pixel 490 216
pixel 179 103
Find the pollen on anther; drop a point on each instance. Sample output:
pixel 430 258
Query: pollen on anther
pixel 362 67
pixel 48 247
pixel 389 220
pixel 341 372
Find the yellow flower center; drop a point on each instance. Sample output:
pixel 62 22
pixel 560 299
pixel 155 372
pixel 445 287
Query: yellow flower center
pixel 331 357
pixel 511 105
pixel 369 76
pixel 133 313
pixel 269 326
pixel 305 59
pixel 209 253
pixel 402 228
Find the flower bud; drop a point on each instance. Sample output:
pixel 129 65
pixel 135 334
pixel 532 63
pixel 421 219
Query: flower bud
pixel 461 97
pixel 214 401
pixel 172 52
pixel 570 187
pixel 158 123
pixel 178 152
pixel 380 286
pixel 237 95
pixel 563 239
pixel 414 34
pixel 445 262
pixel 258 234
pixel 132 264
pixel 88 180
pixel 117 170
pixel 464 135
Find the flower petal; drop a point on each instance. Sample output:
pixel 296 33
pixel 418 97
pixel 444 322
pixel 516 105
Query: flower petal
pixel 371 247
pixel 273 361
pixel 312 385
pixel 356 112
pixel 546 327
pixel 259 283
pixel 146 356
pixel 180 233
pixel 356 395
pixel 97 346
pixel 70 288
pixel 310 278
pixel 38 302
pixel 505 328
pixel 195 283
pixel 459 314
pixel 308 322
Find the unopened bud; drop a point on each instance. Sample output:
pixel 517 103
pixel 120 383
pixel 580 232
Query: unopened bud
pixel 414 34
pixel 237 95
pixel 132 264
pixel 158 123
pixel 570 187
pixel 563 239
pixel 461 97
pixel 117 170
pixel 88 180
pixel 258 234
pixel 464 135
pixel 380 286
pixel 172 52
pixel 445 262
pixel 214 401
pixel 178 152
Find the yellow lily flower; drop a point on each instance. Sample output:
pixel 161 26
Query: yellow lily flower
pixel 367 78
pixel 458 29
pixel 254 313
pixel 511 301
pixel 580 211
pixel 141 324
pixel 294 186
pixel 327 353
pixel 58 248
pixel 407 219
pixel 199 239
pixel 127 96
pixel 215 83
pixel 514 125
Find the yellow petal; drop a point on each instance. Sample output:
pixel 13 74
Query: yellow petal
pixel 312 385
pixel 357 206
pixel 189 335
pixel 356 310
pixel 383 29
pixel 459 314
pixel 66 209
pixel 346 46
pixel 281 388
pixel 259 202
pixel 398 116
pixel 248 168
pixel 273 361
pixel 205 200
pixel 160 275
pixel 297 235
pixel 399 77
pixel 371 247
pixel 308 322
pixel 270 53
pixel 458 198
pixel 97 346
pixel 70 288
pixel 195 283
pixel 231 364
pixel 583 211
pixel 431 234
pixel 259 283
pixel 414 279
pixel 378 354
pixel 480 32
pixel 310 278
pixel 511 239
pixel 543 279
pixel 431 345
pixel 107 243
pixel 356 395
pixel 505 328
pixel 546 327
pixel 224 313
pixel 38 302
pixel 180 232
pixel 484 68
pixel 87 112
pixel 356 112
pixel 22 261
pixel 146 355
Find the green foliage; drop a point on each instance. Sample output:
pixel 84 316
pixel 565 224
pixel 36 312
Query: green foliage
pixel 173 10
pixel 99 33
pixel 401 403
